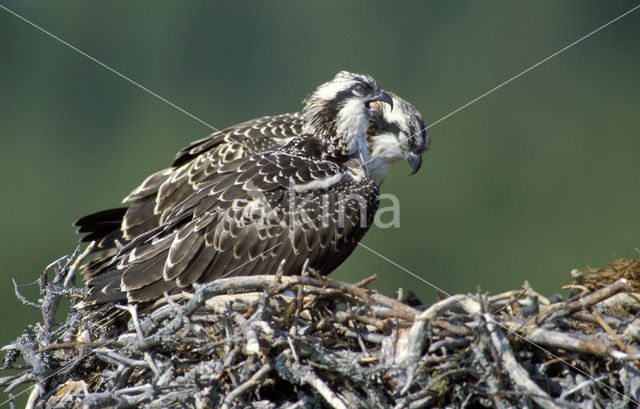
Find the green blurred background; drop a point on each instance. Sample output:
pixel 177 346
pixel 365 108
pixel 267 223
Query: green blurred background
pixel 535 179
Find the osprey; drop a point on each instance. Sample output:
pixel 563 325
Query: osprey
pixel 309 200
pixel 393 135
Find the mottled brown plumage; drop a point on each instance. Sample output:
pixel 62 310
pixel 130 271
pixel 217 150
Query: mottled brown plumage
pixel 310 200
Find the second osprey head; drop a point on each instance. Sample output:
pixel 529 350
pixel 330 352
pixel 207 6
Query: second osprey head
pixel 395 134
pixel 339 111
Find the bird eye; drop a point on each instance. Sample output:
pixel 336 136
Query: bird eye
pixel 359 90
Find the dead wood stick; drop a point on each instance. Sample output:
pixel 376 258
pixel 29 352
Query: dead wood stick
pixel 558 310
pixel 610 331
pixel 73 345
pixel 572 342
pixel 325 391
pixel 409 357
pixel 252 345
pixel 514 299
pixel 458 330
pixel 364 294
pixel 37 391
pixel 630 349
pixel 587 317
pixel 239 284
pixel 366 281
pixel 508 295
pixel 245 386
pixel 509 362
pixel 386 312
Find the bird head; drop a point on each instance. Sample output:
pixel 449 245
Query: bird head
pixel 395 134
pixel 339 111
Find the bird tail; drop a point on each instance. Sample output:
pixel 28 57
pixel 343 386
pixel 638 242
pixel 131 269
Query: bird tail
pixel 101 226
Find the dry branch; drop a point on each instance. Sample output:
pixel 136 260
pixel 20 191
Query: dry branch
pixel 303 341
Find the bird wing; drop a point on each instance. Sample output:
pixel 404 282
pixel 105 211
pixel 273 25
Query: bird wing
pixel 243 219
pixel 246 138
pixel 165 188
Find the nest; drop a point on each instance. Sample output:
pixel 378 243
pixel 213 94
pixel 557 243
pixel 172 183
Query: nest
pixel 312 342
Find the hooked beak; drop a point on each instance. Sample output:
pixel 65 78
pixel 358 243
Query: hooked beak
pixel 415 160
pixel 383 97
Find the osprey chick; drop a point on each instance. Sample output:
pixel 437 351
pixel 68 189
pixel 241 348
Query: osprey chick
pixel 394 134
pixel 310 200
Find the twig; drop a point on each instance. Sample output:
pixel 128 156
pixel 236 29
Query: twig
pixel 511 365
pixel 365 281
pixel 306 341
pixel 253 345
pixel 325 391
pixel 555 311
pixel 244 387
pixel 516 298
pixel 21 297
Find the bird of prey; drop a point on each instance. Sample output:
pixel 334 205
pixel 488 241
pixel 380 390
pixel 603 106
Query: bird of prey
pixel 309 201
pixel 393 135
